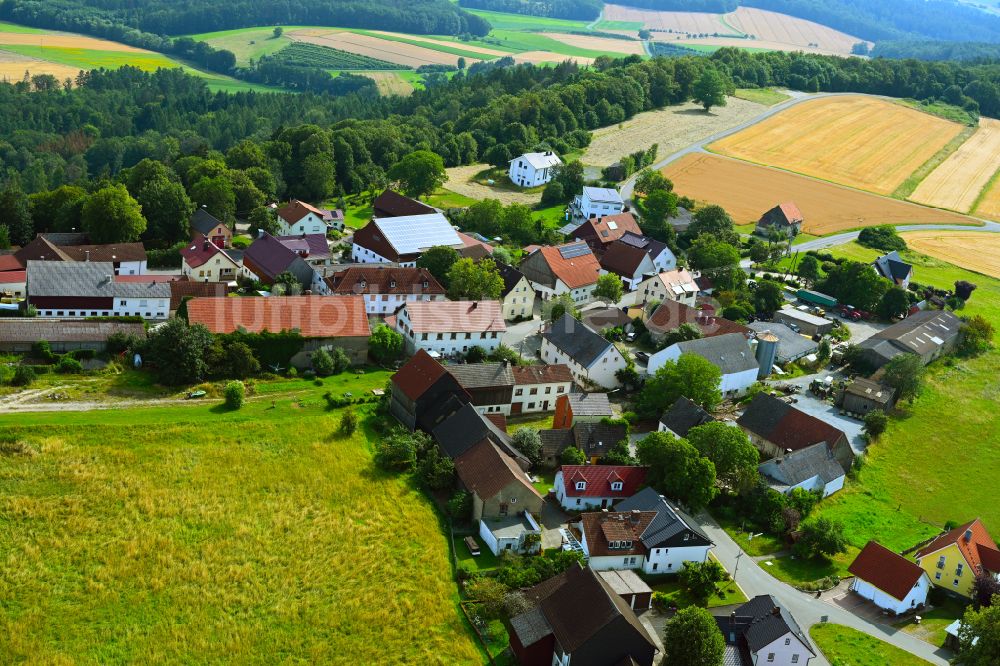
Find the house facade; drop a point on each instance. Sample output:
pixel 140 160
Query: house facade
pixel 762 631
pixel 814 469
pixel 204 224
pixel 401 240
pixel 206 261
pixel 600 232
pixel 489 385
pixel 674 285
pixel 589 356
pixel 90 289
pixel 386 289
pixel 297 218
pixel 598 202
pixel 955 558
pixel 729 352
pixel 533 169
pixel 518 296
pixel 565 269
pixel 629 263
pixel 888 580
pixel 538 387
pixel 499 487
pixel 672 538
pixel 450 328
pixel 585 487
pixel 785 218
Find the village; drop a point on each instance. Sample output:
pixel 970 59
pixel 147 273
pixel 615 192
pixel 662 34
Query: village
pixel 609 421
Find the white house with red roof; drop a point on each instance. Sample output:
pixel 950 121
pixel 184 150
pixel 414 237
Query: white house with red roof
pixel 450 328
pixel 205 261
pixel 536 387
pixel 888 580
pixel 564 269
pixel 297 217
pixel 582 487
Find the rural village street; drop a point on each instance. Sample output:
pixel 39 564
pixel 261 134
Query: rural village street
pixel 805 607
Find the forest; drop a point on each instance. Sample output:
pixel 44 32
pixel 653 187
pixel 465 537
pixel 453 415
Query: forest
pixel 931 50
pixel 579 10
pixel 234 152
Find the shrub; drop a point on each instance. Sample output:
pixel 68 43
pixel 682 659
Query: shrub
pixel 23 376
pixel 460 505
pixel 341 361
pixel 476 354
pixel 41 350
pixel 68 365
pixel 235 393
pixel 875 423
pixel 83 354
pixel 348 422
pixel 398 451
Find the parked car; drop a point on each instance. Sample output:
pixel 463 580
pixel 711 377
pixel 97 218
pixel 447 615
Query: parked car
pixel 642 356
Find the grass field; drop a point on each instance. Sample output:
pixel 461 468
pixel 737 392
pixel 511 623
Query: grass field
pixel 672 129
pixel 844 646
pixel 933 622
pixel 765 96
pixel 750 190
pixel 958 181
pixel 190 534
pixel 246 43
pixel 988 204
pixel 793 570
pixel 862 142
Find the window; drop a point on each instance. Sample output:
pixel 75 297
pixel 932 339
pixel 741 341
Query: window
pixel 454 336
pixel 581 485
pixel 958 569
pixel 616 485
pixel 423 336
pixel 655 566
pixel 625 561
pixel 533 391
pixel 770 656
pixel 955 583
pixel 795 658
pixel 531 405
pixel 518 392
pixel 121 303
pixel 937 576
pixel 513 500
pixel 788 641
pixel 440 336
pixel 940 564
pixel 548 390
pixel 560 389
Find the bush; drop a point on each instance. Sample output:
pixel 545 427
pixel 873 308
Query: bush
pixel 882 237
pixel 83 354
pixel 23 376
pixel 235 393
pixel 348 422
pixel 875 423
pixel 68 365
pixel 476 354
pixel 41 350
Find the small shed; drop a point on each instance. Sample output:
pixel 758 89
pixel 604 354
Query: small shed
pixel 863 395
pixel 627 585
pixel 809 324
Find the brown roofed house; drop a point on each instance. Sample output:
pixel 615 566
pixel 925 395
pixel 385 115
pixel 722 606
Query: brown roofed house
pixel 784 217
pixel 555 270
pixel 421 383
pixel 385 288
pixel 499 487
pixel 394 204
pixel 600 232
pixel 670 315
pixel 888 580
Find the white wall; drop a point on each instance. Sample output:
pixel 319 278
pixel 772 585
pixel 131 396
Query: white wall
pixel 784 649
pixel 671 560
pixel 536 402
pixel 580 503
pixel 442 342
pixel 600 209
pixel 918 595
pixel 310 224
pixel 131 268
pixel 211 271
pixel 487 537
pixel 386 304
pixel 601 372
pixel 523 174
pixel 665 261
pixel 738 383
pixel 147 308
pixel 362 255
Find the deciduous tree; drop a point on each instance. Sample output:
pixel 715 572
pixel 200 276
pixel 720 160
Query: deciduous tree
pixel 905 373
pixel 734 457
pixel 609 288
pixel 385 344
pixel 692 638
pixel 690 376
pixel 676 469
pixel 438 260
pixel 111 215
pixel 709 90
pixel 419 173
pixel 476 281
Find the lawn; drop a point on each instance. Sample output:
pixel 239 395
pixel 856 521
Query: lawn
pixel 546 480
pixel 844 646
pixel 504 21
pixel 486 560
pixel 795 571
pixel 765 96
pixel 764 544
pixel 933 622
pixel 726 592
pixel 191 534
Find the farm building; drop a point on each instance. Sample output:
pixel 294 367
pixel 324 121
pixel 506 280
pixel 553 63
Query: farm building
pixel 499 487
pixel 928 334
pixel 449 328
pixel 730 353
pixel 420 385
pixel 863 395
pixel 888 580
pixel 13 284
pixel 669 316
pixel 627 585
pixel 17 334
pixel 682 416
pixel 126 258
pixel 385 289
pixel 401 240
pixel 394 204
pixel 785 218
pixel 603 319
pixel 324 321
pixel 808 324
pixel 533 169
pixel 490 385
pixel 267 258
pixel 791 345
pixel 90 289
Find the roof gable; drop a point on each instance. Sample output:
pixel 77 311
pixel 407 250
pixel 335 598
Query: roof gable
pixel 598 480
pixel 384 280
pixel 889 572
pixel 785 426
pixel 394 204
pixel 573 263
pixel 969 538
pixel 577 341
pixel 418 374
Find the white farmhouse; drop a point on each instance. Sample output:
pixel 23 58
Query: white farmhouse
pixel 764 630
pixel 536 387
pixel 813 468
pixel 297 218
pixel 533 169
pixel 590 357
pixel 674 285
pixel 449 328
pixel 731 353
pixel 74 289
pixel 598 202
pixel 586 487
pixel 888 580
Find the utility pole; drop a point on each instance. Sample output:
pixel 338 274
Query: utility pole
pixel 737 569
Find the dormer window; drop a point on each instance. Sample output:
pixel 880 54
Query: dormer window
pixel 616 485
pixel 392 284
pixel 581 485
pixel 364 284
pixel 426 284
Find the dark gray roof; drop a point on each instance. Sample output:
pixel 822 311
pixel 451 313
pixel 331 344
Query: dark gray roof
pixel 596 439
pixel 684 415
pixel 83 279
pixel 604 318
pixel 511 276
pixel 576 340
pixel 555 441
pixel 531 626
pixel 203 222
pixel 892 266
pixel 590 404
pixel 467 427
pixel 920 333
pixel 482 375
pixel 766 621
pixel 791 345
pixel 730 352
pixel 798 466
pixel 869 390
pixel 669 522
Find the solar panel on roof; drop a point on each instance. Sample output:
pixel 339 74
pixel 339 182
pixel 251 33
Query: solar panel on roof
pixel 574 251
pixel 414 233
pixel 635 241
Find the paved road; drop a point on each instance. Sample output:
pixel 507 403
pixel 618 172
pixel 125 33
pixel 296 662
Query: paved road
pixel 806 608
pixel 847 237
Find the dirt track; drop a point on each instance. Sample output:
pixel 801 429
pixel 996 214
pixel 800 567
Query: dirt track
pixel 460 181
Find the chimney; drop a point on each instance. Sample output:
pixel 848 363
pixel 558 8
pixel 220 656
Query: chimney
pixel 775 611
pixel 732 618
pixel 204 244
pixel 87 253
pixel 475 304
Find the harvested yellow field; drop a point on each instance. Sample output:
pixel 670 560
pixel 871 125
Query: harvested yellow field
pixel 747 191
pixel 606 44
pixel 989 206
pixel 57 40
pixel 957 182
pixel 672 129
pixel 695 23
pixel 780 28
pixel 853 140
pixel 383 49
pixel 14 65
pixel 389 83
pixel 974 251
pixel 534 57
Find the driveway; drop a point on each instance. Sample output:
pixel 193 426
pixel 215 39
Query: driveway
pixel 827 411
pixel 523 337
pixel 551 520
pixel 807 609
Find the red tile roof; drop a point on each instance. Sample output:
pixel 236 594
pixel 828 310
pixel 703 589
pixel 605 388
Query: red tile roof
pixel 972 549
pixel 599 479
pixel 499 420
pixel 9 262
pixel 622 259
pixel 889 572
pixel 577 272
pixel 313 316
pixel 455 316
pixel 601 528
pixel 181 289
pixel 418 374
pixel 607 229
pixel 541 374
pixel 471 241
pixel 671 314
pixel 200 250
pixel 384 280
pixel 295 210
pixel 486 470
pixel 791 212
pixel 13 277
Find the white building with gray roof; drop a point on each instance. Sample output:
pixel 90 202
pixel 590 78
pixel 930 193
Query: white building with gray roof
pixel 672 538
pixel 590 357
pixel 731 353
pixel 813 468
pixel 91 289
